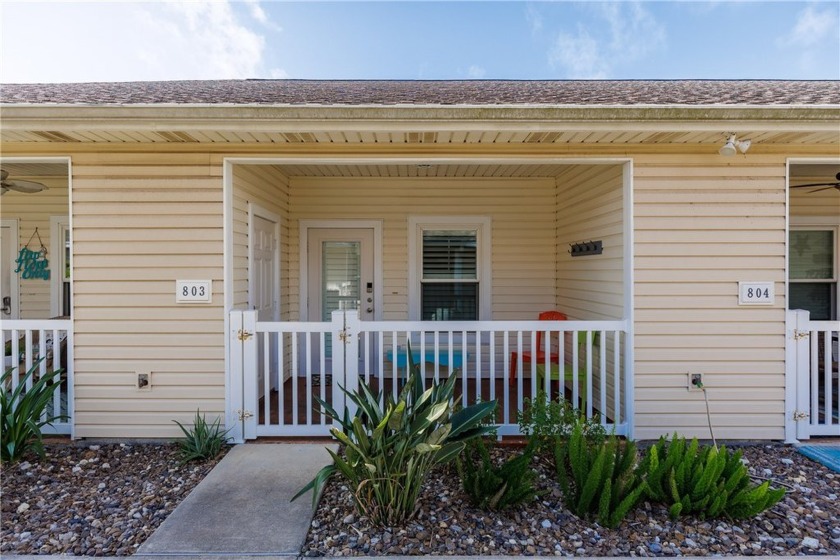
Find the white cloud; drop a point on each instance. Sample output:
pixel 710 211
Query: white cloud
pixel 580 55
pixel 811 28
pixel 476 72
pixel 625 32
pixel 534 19
pixel 115 41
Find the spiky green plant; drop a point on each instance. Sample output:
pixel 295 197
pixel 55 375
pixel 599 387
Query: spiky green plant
pixel 704 481
pixel 23 412
pixel 391 448
pixel 203 441
pixel 496 487
pixel 597 479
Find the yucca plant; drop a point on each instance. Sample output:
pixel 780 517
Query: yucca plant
pixel 597 479
pixel 203 441
pixel 704 481
pixel 496 487
pixel 391 448
pixel 23 412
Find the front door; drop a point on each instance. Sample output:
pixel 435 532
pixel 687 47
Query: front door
pixel 340 273
pixel 9 308
pixel 264 289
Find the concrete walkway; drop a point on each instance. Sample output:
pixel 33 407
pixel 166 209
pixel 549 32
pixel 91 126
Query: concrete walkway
pixel 242 507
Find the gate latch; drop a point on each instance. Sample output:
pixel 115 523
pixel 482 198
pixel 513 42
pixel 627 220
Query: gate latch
pixel 244 414
pixel 244 335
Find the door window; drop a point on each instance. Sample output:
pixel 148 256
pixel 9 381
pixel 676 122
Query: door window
pixel 813 272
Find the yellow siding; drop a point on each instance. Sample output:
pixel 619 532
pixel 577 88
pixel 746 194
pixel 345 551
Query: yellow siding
pixel 142 221
pixel 35 210
pixel 265 186
pixel 522 212
pixel 701 225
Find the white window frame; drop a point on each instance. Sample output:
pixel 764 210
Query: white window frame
pixel 816 223
pixel 58 225
pixel 482 227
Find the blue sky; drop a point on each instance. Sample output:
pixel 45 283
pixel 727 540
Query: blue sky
pixel 121 41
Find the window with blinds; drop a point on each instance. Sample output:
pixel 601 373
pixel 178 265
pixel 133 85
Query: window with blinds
pixel 813 273
pixel 449 283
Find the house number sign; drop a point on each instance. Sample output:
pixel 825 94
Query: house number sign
pixel 193 291
pixel 756 293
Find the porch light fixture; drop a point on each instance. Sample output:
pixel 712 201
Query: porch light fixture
pixel 733 146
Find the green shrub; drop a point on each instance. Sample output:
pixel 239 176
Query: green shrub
pixel 597 479
pixel 496 487
pixel 390 449
pixel 203 441
pixel 703 481
pixel 23 412
pixel 544 420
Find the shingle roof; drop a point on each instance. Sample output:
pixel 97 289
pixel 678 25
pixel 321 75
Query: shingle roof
pixel 472 92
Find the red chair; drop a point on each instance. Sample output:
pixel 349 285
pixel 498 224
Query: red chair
pixel 540 352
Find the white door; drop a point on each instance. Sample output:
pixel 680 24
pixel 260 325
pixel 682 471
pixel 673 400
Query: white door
pixel 340 277
pixel 340 272
pixel 9 304
pixel 264 292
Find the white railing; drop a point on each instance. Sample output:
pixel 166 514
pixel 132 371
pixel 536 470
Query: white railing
pixel 284 366
pixel 813 351
pixel 45 345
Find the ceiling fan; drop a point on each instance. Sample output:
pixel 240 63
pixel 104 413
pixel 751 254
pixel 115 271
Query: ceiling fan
pixel 825 186
pixel 19 186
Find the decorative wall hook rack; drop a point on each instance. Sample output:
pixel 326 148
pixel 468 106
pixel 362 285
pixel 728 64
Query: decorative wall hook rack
pixel 586 248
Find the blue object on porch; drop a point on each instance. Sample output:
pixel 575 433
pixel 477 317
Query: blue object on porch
pixel 442 357
pixel 828 455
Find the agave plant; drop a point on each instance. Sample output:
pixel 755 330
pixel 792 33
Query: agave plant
pixel 202 442
pixel 23 412
pixel 390 448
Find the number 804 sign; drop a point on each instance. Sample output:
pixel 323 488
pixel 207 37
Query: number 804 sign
pixel 193 291
pixel 756 293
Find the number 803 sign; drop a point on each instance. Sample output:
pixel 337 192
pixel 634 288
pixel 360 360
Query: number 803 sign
pixel 193 291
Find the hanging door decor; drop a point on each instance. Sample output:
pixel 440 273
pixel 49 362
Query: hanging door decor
pixel 33 264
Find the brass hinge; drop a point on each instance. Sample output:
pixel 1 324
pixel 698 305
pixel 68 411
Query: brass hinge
pixel 799 335
pixel 244 414
pixel 798 415
pixel 244 335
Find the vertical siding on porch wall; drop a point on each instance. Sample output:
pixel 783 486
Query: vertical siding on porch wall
pixel 142 221
pixel 701 225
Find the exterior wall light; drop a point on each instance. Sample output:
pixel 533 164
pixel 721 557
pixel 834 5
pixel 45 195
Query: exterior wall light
pixel 733 146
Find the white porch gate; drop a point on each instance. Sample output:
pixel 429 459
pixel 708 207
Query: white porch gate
pixel 299 367
pixel 46 345
pixel 813 377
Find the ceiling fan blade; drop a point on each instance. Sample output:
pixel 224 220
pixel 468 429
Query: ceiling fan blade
pixel 25 186
pixel 829 185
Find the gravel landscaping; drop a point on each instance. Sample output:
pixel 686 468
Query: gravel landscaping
pixel 92 500
pixel 105 500
pixel 806 521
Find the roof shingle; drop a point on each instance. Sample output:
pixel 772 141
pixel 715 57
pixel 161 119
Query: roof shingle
pixel 465 92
